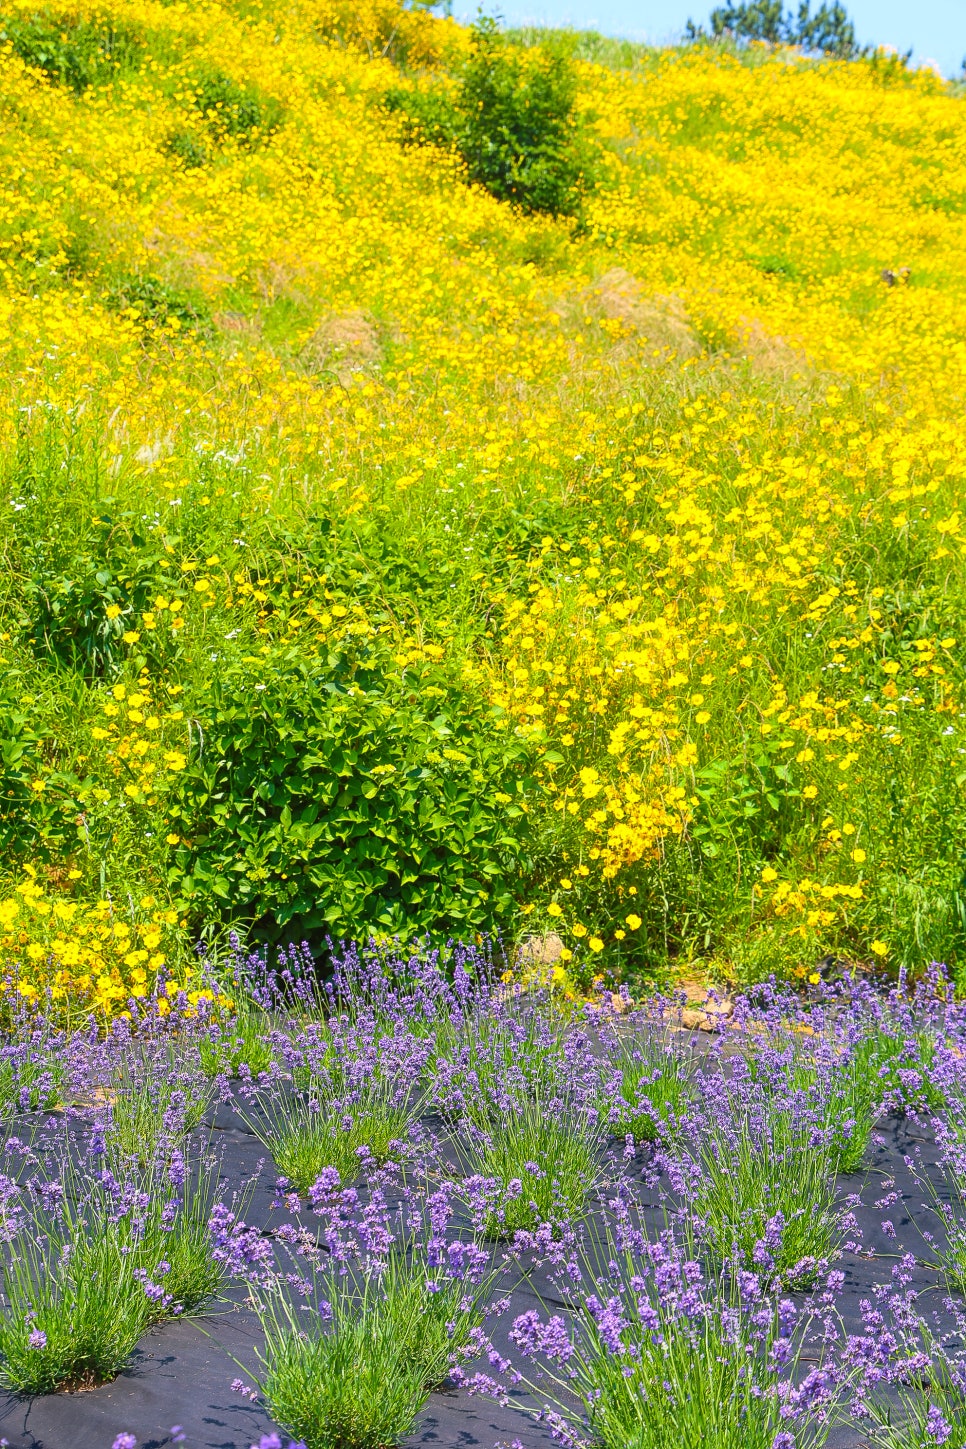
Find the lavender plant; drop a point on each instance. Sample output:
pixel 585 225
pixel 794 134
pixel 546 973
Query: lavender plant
pixel 516 1046
pixel 305 1136
pixel 32 1070
pixel 89 1261
pixel 651 1087
pixel 236 1040
pixel 758 1177
pixel 155 1098
pixel 371 1321
pixel 536 1164
pixel 357 1096
pixel 74 1302
pixel 912 1390
pixel 657 1357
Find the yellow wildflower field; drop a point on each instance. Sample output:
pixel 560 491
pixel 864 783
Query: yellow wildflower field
pixel 646 528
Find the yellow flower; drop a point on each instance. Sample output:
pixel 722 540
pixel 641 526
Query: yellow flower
pixel 633 921
pixel 554 910
pixel 595 943
pixel 879 948
pixel 858 856
pixel 769 873
pixel 113 612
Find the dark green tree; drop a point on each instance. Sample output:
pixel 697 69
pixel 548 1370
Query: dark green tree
pixel 829 31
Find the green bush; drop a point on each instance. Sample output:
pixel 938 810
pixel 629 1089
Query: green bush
pixel 236 112
pixel 78 608
pixel 73 52
pixel 186 147
pixel 155 301
pixel 35 823
pixel 346 799
pixel 512 120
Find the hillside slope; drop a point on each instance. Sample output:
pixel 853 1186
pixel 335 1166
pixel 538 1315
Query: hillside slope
pixel 378 558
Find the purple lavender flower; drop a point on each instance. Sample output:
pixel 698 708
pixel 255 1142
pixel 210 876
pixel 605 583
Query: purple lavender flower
pixel 938 1429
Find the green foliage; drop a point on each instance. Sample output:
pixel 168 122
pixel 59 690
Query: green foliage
pixel 187 148
pixel 72 51
pixel 341 796
pixel 541 1162
pixel 155 301
pixel 655 1087
pixel 236 112
pixel 34 822
pixel 829 30
pixel 513 121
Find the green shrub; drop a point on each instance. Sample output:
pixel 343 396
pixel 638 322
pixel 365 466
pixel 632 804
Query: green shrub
pixel 512 120
pixel 73 52
pixel 155 301
pixel 331 798
pixel 236 112
pixel 35 823
pixel 187 148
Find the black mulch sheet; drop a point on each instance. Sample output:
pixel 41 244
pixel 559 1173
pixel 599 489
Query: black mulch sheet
pixel 182 1372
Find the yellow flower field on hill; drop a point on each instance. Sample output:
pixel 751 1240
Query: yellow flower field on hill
pixel 647 529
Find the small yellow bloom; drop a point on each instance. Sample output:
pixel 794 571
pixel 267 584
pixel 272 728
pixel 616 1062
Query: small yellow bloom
pixel 554 910
pixel 879 948
pixel 633 921
pixel 595 943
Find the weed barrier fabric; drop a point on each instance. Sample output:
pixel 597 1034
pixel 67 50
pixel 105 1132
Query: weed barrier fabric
pixel 182 1372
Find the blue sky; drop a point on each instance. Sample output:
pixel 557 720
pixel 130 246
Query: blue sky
pixel 935 29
